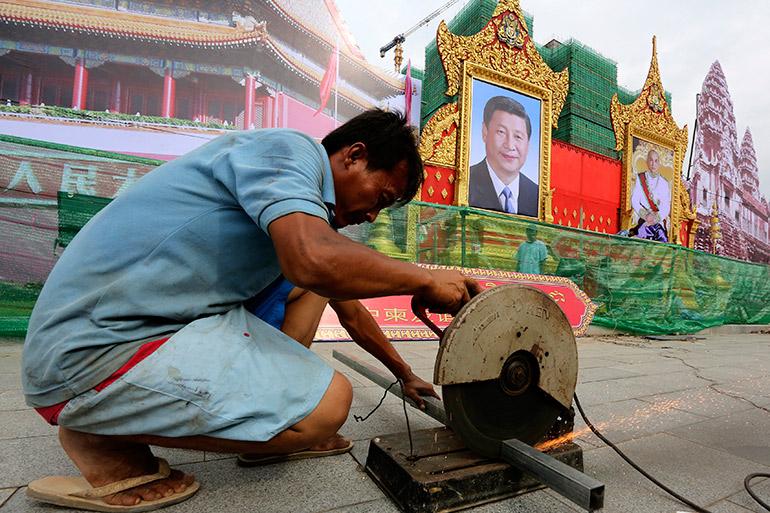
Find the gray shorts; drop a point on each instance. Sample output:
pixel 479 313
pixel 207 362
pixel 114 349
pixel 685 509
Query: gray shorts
pixel 228 376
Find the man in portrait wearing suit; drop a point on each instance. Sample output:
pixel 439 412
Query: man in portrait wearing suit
pixel 496 183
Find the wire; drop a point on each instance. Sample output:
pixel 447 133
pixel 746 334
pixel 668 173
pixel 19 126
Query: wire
pixel 637 467
pixel 655 481
pixel 358 418
pixel 751 492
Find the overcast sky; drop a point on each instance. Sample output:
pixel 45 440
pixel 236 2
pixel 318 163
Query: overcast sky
pixel 690 37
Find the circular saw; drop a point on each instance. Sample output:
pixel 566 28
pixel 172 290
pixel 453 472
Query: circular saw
pixel 508 367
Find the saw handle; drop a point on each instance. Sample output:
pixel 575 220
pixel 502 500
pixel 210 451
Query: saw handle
pixel 421 312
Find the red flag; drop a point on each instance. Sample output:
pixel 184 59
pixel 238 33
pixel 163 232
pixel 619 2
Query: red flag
pixel 408 93
pixel 330 77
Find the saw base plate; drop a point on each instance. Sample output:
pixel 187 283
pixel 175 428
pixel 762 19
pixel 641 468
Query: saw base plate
pixel 446 476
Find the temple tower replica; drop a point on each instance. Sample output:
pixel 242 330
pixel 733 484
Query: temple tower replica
pixel 725 178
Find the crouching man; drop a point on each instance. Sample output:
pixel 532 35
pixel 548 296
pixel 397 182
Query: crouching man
pixel 140 335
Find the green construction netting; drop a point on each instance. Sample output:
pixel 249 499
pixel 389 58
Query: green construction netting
pixel 48 192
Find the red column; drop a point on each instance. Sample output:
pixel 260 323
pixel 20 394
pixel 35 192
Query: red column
pixel 169 88
pixel 248 115
pixel 80 88
pixel 25 98
pixel 115 100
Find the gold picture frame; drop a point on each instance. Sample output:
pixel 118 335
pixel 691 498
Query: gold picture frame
pixel 648 123
pixel 480 86
pixel 643 188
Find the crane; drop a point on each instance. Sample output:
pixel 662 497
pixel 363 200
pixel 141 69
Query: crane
pixel 400 38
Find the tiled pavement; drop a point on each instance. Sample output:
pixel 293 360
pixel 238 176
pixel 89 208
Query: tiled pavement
pixel 694 413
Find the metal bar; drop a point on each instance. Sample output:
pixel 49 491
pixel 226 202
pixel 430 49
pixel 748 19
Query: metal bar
pixel 433 407
pixel 583 490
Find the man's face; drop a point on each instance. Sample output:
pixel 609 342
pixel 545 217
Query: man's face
pixel 653 161
pixel 361 193
pixel 507 144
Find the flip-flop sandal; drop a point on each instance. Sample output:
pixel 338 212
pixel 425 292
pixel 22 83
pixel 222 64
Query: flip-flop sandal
pixel 76 492
pixel 254 460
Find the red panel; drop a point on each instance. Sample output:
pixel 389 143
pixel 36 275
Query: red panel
pixel 587 183
pixel 439 185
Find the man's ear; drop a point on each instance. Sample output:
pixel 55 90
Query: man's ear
pixel 484 132
pixel 356 151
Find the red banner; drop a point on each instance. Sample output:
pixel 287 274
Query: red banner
pixel 395 317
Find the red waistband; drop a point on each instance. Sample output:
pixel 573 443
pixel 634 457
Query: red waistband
pixel 51 413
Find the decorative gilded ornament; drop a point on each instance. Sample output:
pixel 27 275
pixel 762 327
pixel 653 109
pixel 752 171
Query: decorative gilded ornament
pixel 649 120
pixel 488 49
pixel 431 191
pixel 444 193
pixel 451 178
pixel 438 176
pixel 438 143
pixel 510 31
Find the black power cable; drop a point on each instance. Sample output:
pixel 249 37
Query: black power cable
pixel 655 481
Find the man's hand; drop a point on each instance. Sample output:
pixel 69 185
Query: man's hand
pixel 449 291
pixel 414 387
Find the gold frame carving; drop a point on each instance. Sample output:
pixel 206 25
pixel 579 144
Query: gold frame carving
pixel 438 144
pixel 649 118
pixel 473 72
pixel 503 45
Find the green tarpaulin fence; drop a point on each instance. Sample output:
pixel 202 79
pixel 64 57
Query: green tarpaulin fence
pixel 48 192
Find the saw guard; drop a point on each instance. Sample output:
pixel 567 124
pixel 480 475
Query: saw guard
pixel 497 323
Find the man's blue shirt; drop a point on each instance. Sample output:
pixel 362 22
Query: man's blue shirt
pixel 188 240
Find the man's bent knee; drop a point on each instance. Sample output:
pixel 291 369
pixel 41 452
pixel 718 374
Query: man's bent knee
pixel 331 412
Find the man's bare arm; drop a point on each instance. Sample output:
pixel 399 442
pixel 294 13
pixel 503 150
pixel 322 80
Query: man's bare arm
pixel 365 331
pixel 315 257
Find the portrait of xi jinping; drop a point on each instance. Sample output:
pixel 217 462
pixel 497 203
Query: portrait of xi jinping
pixel 497 182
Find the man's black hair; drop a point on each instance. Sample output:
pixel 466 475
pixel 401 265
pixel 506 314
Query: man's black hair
pixel 508 105
pixel 388 140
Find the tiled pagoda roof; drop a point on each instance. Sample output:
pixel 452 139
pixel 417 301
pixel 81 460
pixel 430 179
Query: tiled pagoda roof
pixel 109 23
pixel 322 19
pixel 311 72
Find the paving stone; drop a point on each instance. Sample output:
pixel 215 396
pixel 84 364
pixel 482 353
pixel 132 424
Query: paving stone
pixel 313 485
pixel 603 374
pixel 23 423
pixel 761 488
pixel 25 459
pixel 5 494
pixel 742 434
pixel 628 388
pixel 702 474
pixel 711 441
pixel 10 381
pixel 11 400
pixel 624 420
pixel 389 418
pixel 9 360
pixel 701 401
pixel 384 505
pixel 754 390
pixel 729 374
pixel 592 362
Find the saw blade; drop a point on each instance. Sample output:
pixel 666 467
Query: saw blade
pixel 484 416
pixel 508 367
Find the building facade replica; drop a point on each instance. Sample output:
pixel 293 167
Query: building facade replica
pixel 725 182
pixel 240 62
pixel 582 124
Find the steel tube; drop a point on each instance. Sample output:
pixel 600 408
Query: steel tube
pixel 583 490
pixel 433 407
